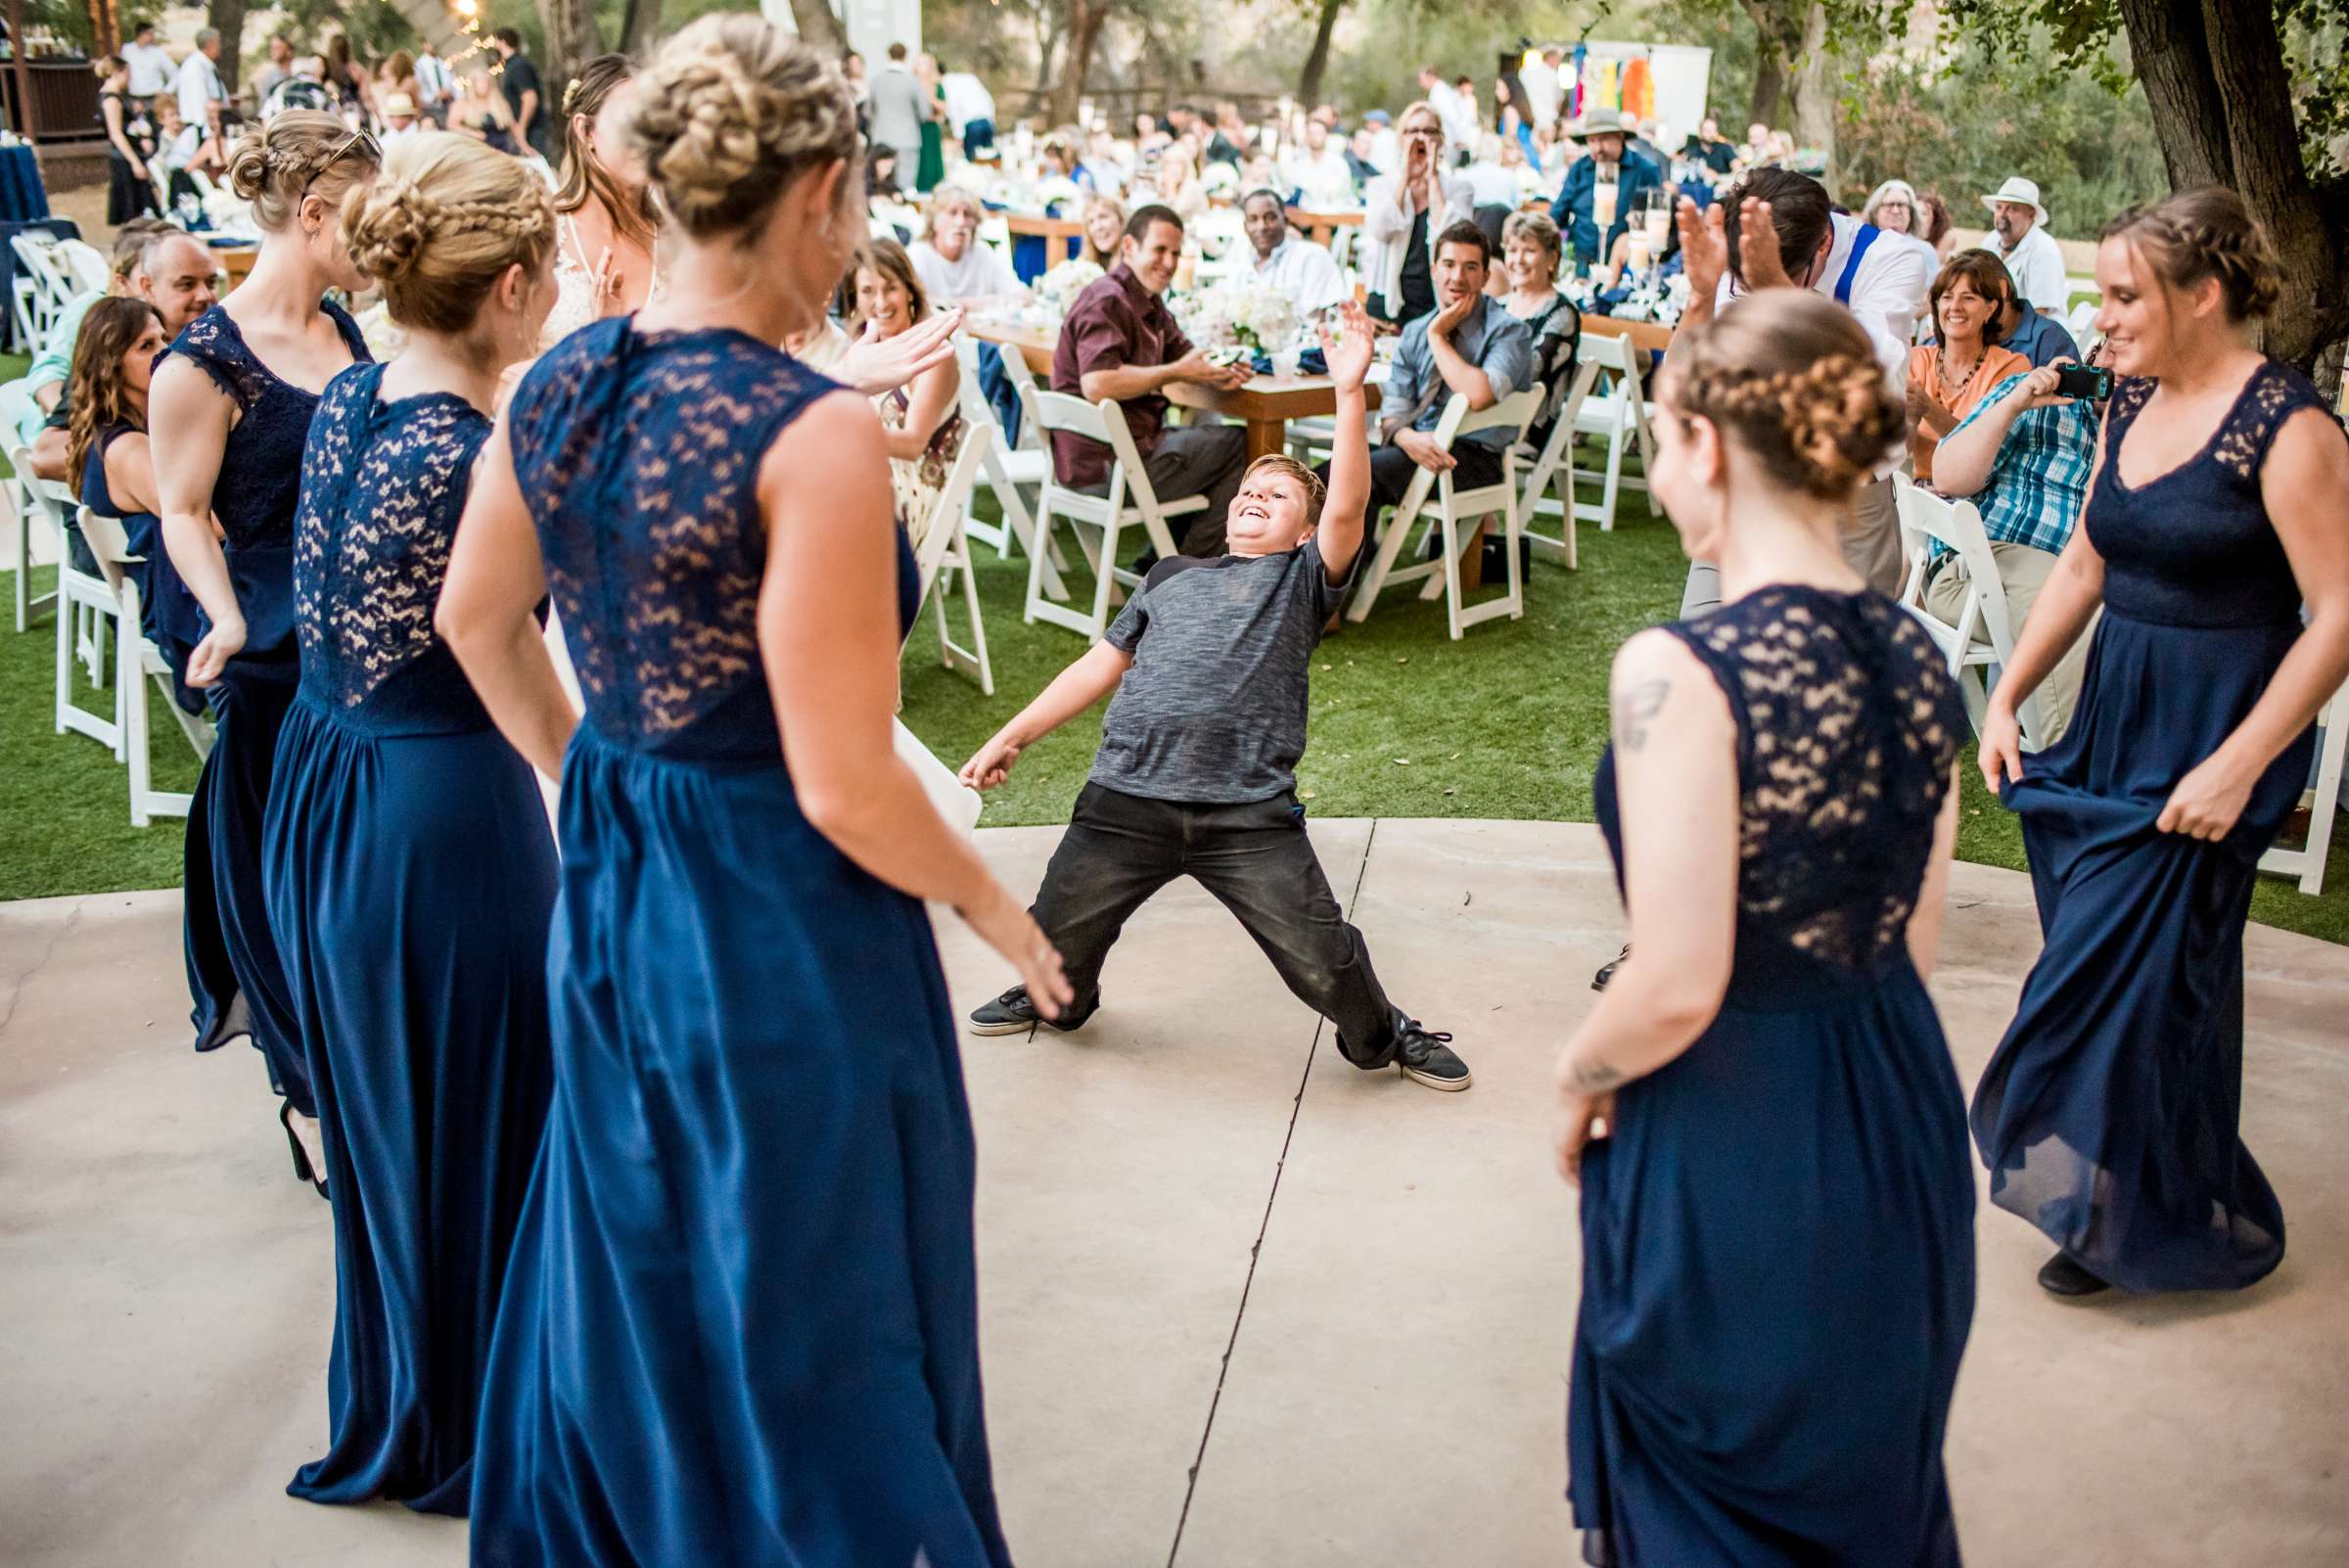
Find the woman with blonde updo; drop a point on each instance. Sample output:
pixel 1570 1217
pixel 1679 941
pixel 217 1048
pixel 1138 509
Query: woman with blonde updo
pixel 606 222
pixel 2212 541
pixel 409 870
pixel 229 411
pixel 1759 1111
pixel 756 1177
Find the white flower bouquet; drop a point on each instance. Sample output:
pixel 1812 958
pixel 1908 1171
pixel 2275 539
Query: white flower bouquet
pixel 1241 312
pixel 1060 287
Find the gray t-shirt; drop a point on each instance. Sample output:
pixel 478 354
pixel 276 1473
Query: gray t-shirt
pixel 1214 710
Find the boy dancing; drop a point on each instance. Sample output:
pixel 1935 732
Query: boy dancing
pixel 1197 771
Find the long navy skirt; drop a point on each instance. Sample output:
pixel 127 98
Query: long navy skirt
pixel 2108 1115
pixel 1778 1284
pixel 233 971
pixel 411 879
pixel 741 1325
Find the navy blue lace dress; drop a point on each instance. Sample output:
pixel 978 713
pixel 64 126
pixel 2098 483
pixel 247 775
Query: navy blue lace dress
pixel 2108 1116
pixel 741 1323
pixel 1778 1236
pixel 410 875
pixel 168 613
pixel 239 986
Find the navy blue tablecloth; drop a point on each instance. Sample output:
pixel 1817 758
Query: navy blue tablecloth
pixel 23 197
pixel 60 228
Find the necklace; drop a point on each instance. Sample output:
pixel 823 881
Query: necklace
pixel 1950 383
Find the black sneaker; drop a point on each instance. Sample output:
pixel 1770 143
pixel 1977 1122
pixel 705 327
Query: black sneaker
pixel 1012 1013
pixel 1427 1057
pixel 1606 971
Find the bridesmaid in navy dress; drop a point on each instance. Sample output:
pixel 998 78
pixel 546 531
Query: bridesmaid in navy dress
pixel 231 407
pixel 410 870
pixel 114 360
pixel 2108 1117
pixel 1778 1218
pixel 741 1322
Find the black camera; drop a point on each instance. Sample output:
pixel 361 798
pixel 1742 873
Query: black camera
pixel 2091 381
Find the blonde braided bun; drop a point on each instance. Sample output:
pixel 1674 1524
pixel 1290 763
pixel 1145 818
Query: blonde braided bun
pixel 1792 379
pixel 2206 232
pixel 732 111
pixel 300 149
pixel 443 224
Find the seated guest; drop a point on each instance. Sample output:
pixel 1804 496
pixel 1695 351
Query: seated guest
pixel 400 116
pixel 1403 212
pixel 881 174
pixel 2040 338
pixel 1176 181
pixel 1469 344
pixel 1358 148
pixel 956 266
pixel 1949 377
pixel 1492 182
pixel 107 448
pixel 2019 238
pixel 1936 228
pixel 1707 147
pixel 168 269
pixel 45 379
pixel 1306 273
pixel 1062 160
pixel 1104 231
pixel 921 421
pixel 1530 258
pixel 2024 457
pixel 1610 163
pixel 1317 171
pixel 1120 341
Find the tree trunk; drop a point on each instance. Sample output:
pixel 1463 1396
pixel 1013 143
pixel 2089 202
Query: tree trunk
pixel 1813 83
pixel 640 29
pixel 228 18
pixel 1086 18
pixel 2215 76
pixel 815 23
pixel 1769 78
pixel 572 38
pixel 1317 61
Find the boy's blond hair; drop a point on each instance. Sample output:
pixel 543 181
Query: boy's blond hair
pixel 1282 463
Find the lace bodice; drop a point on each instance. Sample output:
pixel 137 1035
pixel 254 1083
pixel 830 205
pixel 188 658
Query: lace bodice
pixel 1848 724
pixel 576 304
pixel 261 466
pixel 382 485
pixel 2193 547
pixel 640 456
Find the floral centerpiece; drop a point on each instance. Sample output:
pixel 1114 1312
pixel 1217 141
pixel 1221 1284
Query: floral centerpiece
pixel 1241 312
pixel 1059 288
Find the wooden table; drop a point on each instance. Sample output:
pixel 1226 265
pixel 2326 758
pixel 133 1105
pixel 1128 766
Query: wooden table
pixel 1323 227
pixel 1648 335
pixel 1266 405
pixel 236 262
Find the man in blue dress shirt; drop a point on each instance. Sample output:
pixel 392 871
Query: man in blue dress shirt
pixel 1601 132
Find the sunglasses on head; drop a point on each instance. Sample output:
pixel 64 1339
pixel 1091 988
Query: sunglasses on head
pixel 357 138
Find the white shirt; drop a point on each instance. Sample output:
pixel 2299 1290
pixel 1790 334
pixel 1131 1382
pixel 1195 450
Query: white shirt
pixel 433 79
pixel 1884 295
pixel 1323 178
pixel 1540 91
pixel 198 85
pixel 1493 185
pixel 967 99
pixel 1307 275
pixel 981 273
pixel 1387 230
pixel 1457 111
pixel 151 69
pixel 2036 263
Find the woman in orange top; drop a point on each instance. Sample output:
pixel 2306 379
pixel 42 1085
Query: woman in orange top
pixel 1948 377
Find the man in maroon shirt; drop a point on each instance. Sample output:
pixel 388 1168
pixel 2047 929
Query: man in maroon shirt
pixel 1120 342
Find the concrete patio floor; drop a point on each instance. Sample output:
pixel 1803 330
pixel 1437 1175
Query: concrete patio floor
pixel 1381 1382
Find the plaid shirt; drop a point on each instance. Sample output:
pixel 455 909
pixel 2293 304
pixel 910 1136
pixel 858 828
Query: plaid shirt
pixel 2038 482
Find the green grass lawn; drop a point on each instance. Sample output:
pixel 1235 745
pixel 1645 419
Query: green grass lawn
pixel 1507 722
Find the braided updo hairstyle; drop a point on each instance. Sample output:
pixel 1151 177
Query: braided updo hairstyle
pixel 300 149
pixel 443 224
pixel 732 111
pixel 2206 233
pixel 1791 378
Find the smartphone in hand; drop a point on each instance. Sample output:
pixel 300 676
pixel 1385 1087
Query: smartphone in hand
pixel 2091 381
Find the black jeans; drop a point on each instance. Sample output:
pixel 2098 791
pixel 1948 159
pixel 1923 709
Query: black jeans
pixel 1259 864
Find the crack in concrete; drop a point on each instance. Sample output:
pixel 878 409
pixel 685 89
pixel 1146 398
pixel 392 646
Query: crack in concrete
pixel 16 989
pixel 1264 1225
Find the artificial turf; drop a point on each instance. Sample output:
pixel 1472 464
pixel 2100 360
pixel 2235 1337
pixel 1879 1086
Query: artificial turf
pixel 1507 722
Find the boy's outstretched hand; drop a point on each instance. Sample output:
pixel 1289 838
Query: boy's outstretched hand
pixel 1348 355
pixel 989 766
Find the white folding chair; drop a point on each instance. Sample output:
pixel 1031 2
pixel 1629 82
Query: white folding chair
pixel 137 662
pixel 43 287
pixel 946 546
pixel 1452 508
pixel 1007 465
pixel 1106 515
pixel 15 409
pixel 2332 746
pixel 87 607
pixel 1617 409
pixel 1980 643
pixel 1571 391
pixel 86 269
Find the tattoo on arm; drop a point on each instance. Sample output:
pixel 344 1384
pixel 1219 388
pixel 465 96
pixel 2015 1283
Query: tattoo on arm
pixel 1635 706
pixel 1594 1078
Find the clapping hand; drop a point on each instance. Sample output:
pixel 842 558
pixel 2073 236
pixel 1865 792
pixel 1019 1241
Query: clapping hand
pixel 1704 247
pixel 1761 265
pixel 874 364
pixel 1928 412
pixel 1347 355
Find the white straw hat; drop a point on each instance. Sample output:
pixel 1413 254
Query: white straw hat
pixel 2021 192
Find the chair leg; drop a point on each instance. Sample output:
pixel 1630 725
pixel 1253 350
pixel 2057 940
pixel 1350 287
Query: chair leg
pixel 67 615
pixel 132 684
pixel 1452 563
pixel 23 569
pixel 1512 542
pixel 1614 481
pixel 1105 574
pixel 1038 547
pixel 970 602
pixel 2326 807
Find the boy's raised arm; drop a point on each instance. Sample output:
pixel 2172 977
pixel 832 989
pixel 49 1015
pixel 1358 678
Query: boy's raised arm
pixel 1343 509
pixel 1075 689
